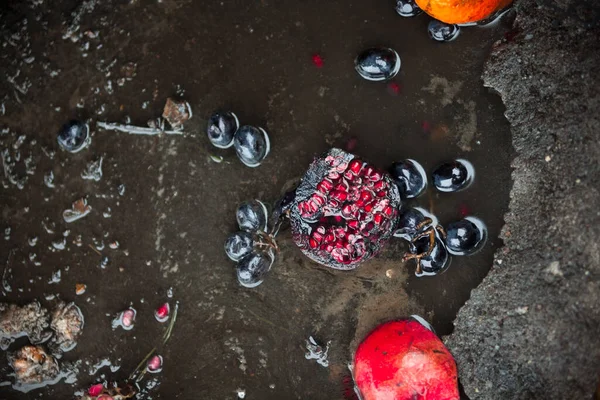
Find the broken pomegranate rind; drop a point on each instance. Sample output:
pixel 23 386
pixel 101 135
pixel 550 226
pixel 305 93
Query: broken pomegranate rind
pixel 402 358
pixel 33 365
pixel 345 210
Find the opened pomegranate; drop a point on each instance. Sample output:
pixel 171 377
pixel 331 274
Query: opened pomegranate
pixel 344 210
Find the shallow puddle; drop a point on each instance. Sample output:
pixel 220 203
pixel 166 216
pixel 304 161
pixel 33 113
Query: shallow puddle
pixel 169 206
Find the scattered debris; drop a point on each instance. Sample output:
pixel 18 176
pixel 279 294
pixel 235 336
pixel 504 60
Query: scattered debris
pixel 177 112
pixel 31 320
pixel 67 323
pixel 93 170
pixel 49 179
pixel 80 288
pixel 215 159
pixel 79 209
pixel 317 352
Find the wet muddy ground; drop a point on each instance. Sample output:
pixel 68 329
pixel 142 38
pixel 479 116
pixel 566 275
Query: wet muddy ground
pixel 170 206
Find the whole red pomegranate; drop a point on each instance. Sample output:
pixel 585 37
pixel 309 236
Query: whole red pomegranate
pixel 404 360
pixel 344 210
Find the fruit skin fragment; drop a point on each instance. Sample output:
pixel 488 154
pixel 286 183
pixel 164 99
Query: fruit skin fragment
pixel 80 289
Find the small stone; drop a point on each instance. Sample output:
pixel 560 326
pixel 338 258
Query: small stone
pixel 554 269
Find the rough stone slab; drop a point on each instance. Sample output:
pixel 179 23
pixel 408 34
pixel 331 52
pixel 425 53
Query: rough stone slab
pixel 531 330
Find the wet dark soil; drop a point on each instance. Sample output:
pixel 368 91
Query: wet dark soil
pixel 178 205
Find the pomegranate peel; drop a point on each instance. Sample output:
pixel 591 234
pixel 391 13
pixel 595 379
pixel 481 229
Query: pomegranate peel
pixel 404 360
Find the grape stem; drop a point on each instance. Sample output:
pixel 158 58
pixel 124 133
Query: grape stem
pixel 264 239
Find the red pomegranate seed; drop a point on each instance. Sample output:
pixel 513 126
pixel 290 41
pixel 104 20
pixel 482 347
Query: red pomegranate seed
pixel 382 193
pixel 155 364
pixel 128 318
pixel 380 185
pixel 353 224
pixel 324 186
pixel 313 206
pixel 349 175
pixel 162 313
pixel 317 60
pixel 368 171
pixel 377 218
pixel 105 397
pixel 368 227
pixel 327 247
pixel 321 229
pixel 341 187
pixel 369 207
pixel 337 218
pixel 95 390
pixel 318 199
pixel 375 176
pixel 347 210
pixel 333 204
pixel 313 243
pixel 355 166
pixel 366 196
pixel 317 236
pixel 330 237
pixel 387 211
pixel 339 195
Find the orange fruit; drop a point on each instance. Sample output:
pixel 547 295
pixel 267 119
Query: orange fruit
pixel 461 11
